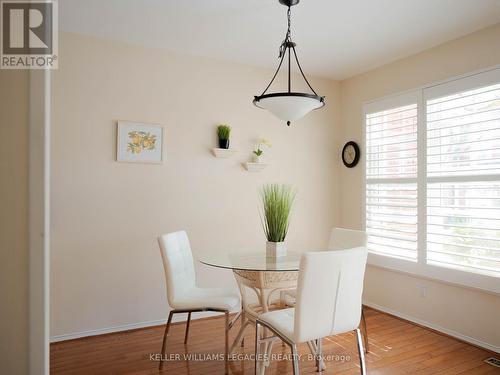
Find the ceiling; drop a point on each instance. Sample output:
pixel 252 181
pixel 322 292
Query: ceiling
pixel 335 38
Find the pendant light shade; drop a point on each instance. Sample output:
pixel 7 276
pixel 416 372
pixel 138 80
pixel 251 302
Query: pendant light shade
pixel 289 106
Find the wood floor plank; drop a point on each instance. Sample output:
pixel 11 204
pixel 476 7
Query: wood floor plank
pixel 397 347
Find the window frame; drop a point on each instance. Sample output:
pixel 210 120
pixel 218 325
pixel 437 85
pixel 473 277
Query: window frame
pixel 420 96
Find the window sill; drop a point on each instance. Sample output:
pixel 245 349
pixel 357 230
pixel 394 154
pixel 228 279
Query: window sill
pixel 483 283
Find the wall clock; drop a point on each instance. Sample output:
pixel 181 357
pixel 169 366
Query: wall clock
pixel 350 154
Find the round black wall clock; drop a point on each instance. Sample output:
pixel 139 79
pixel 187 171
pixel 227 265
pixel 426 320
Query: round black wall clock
pixel 350 154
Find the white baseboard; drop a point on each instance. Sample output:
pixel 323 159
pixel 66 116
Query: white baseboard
pixel 126 327
pixel 433 326
pixel 182 317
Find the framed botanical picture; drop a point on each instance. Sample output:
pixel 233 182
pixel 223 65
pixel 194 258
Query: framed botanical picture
pixel 139 142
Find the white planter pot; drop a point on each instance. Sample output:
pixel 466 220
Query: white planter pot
pixel 275 249
pixel 258 159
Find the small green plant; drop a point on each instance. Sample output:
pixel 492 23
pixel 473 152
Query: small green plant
pixel 277 201
pixel 223 131
pixel 262 142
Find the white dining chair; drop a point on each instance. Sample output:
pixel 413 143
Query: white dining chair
pixel 184 296
pixel 328 302
pixel 340 238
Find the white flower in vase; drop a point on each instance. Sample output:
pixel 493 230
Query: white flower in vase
pixel 258 152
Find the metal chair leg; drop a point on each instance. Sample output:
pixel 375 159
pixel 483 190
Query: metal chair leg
pixel 312 347
pixel 295 357
pixel 242 325
pixel 316 356
pixel 165 334
pixel 319 355
pixel 187 328
pixel 257 348
pixel 365 331
pixel 361 352
pixel 226 344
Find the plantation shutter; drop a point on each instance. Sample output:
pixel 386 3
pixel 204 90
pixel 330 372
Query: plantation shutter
pixel 391 179
pixel 463 177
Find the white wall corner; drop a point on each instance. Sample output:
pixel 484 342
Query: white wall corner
pixel 39 207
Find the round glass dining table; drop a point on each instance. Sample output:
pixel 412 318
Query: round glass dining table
pixel 252 261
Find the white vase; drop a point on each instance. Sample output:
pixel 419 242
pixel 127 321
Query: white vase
pixel 257 158
pixel 275 249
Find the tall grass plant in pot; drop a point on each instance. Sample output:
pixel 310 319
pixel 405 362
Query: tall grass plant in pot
pixel 277 202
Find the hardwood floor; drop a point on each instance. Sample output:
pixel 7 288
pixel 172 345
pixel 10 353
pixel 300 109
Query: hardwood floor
pixel 396 347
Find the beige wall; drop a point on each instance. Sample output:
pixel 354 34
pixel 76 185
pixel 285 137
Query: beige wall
pixel 14 122
pixel 105 264
pixel 467 312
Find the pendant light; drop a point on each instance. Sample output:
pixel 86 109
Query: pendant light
pixel 289 106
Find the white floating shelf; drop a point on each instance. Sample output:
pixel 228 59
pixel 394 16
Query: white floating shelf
pixel 255 167
pixel 223 152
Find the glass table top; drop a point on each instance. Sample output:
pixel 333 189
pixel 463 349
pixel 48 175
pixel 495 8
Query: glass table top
pixel 252 261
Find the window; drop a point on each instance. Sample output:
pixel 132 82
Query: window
pixel 433 180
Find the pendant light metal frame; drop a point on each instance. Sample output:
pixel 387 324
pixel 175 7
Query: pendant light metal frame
pixel 287 46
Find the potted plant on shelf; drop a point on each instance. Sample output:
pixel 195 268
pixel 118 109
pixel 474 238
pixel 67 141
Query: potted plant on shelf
pixel 257 153
pixel 277 201
pixel 223 132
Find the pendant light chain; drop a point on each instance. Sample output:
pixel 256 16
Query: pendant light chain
pixel 288 36
pixel 288 40
pixel 288 14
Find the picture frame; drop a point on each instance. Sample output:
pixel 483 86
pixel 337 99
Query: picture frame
pixel 138 142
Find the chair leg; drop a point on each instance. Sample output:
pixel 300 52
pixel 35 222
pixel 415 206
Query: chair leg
pixel 242 325
pixel 365 331
pixel 312 347
pixel 187 328
pixel 361 352
pixel 226 344
pixel 319 355
pixel 165 334
pixel 295 357
pixel 257 348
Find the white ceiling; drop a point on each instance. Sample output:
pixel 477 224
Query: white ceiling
pixel 335 38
